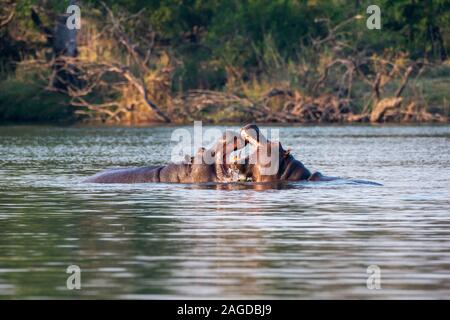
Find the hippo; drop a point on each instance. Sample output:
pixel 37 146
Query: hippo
pixel 260 166
pixel 205 166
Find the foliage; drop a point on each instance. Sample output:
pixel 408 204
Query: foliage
pixel 245 47
pixel 27 102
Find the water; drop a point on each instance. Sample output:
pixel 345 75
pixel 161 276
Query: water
pixel 302 240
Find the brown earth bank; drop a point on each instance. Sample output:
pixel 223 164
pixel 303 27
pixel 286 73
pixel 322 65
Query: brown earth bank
pixel 28 104
pixel 296 108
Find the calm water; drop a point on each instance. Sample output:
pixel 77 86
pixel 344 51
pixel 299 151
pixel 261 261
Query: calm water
pixel 302 240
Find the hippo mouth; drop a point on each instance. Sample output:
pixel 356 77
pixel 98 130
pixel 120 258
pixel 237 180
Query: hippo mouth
pixel 225 166
pixel 251 135
pixel 249 139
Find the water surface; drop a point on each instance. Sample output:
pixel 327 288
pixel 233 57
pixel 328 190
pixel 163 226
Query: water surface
pixel 300 240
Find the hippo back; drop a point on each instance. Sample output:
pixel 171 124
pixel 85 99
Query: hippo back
pixel 127 175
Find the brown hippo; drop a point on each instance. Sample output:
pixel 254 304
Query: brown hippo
pixel 206 166
pixel 271 162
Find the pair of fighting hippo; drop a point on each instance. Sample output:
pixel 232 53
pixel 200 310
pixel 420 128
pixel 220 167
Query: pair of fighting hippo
pixel 268 163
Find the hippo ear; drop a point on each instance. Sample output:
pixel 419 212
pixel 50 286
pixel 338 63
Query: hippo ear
pixel 287 153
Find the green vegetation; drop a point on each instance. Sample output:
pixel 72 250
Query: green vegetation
pixel 316 54
pixel 28 102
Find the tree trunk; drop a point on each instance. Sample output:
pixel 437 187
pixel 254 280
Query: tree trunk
pixel 64 45
pixel 64 39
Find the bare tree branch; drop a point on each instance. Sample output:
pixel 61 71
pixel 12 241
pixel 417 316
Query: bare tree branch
pixel 5 21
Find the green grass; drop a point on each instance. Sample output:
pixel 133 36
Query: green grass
pixel 436 94
pixel 29 102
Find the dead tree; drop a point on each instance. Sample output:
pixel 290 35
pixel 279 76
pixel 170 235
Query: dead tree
pixel 63 42
pixel 386 108
pixel 112 77
pixel 6 19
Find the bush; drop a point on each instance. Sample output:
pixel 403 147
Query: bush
pixel 28 102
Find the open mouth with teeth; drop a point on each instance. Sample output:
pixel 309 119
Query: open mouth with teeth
pixel 226 165
pixel 249 138
pixel 238 162
pixel 252 137
pixel 251 134
pixel 231 153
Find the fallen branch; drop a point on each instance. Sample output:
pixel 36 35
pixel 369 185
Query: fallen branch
pixel 4 22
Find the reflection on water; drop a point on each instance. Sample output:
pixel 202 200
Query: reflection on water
pixel 296 240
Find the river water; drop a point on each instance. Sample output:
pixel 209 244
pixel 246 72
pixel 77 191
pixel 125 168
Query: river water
pixel 299 240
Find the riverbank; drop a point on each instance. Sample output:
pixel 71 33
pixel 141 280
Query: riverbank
pixel 27 101
pixel 144 70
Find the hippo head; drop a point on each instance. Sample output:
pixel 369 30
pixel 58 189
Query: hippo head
pixel 264 162
pixel 218 156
